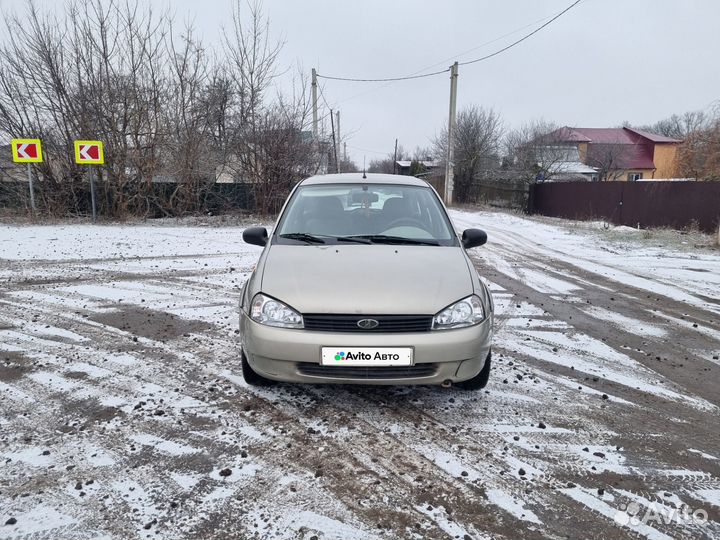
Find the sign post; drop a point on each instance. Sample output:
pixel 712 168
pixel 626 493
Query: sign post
pixel 90 153
pixel 92 193
pixel 32 189
pixel 28 151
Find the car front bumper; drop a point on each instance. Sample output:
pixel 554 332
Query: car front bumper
pixel 291 355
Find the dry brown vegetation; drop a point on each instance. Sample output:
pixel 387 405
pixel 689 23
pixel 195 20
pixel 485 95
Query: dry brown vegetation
pixel 173 113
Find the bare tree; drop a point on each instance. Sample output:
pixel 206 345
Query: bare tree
pixel 191 157
pixel 387 164
pixel 680 126
pixel 477 141
pixel 423 153
pixel 610 159
pixel 699 155
pixel 96 73
pixel 534 150
pixel 348 165
pixel 281 154
pixel 383 165
pixel 252 59
pixel 173 115
pixel 270 147
pixel 35 98
pixel 119 90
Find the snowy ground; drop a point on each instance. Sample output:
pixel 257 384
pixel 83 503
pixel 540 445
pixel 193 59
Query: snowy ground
pixel 122 406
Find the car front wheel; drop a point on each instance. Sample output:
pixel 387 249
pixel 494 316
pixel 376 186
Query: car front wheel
pixel 479 381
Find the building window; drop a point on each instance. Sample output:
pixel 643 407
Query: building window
pixel 633 177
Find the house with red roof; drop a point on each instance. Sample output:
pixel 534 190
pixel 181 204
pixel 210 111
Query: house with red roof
pixel 624 154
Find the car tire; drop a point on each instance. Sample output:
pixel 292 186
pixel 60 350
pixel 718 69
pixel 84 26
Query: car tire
pixel 479 381
pixel 252 378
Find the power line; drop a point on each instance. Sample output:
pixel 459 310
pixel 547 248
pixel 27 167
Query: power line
pixel 494 40
pixel 388 79
pixel 419 71
pixel 524 37
pixel 432 74
pixel 322 95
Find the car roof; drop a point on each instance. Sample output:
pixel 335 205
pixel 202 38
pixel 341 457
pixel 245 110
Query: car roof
pixel 359 178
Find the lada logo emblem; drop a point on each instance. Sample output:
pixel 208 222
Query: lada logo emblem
pixel 368 324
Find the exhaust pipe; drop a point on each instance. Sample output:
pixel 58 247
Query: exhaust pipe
pixel 447 383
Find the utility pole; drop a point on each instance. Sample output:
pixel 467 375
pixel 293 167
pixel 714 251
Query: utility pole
pixel 314 104
pixel 332 126
pixel 449 184
pixel 339 138
pixel 395 159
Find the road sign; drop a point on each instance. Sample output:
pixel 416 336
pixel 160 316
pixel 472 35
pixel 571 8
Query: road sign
pixel 89 153
pixel 27 150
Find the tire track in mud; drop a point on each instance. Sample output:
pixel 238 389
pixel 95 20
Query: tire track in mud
pixel 669 357
pixel 628 343
pixel 105 339
pixel 583 271
pixel 294 437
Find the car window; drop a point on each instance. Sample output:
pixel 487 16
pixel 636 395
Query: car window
pixel 372 212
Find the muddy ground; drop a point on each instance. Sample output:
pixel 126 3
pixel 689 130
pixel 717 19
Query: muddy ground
pixel 123 413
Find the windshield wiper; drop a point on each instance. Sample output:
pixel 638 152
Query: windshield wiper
pixel 353 239
pixel 386 239
pixel 303 237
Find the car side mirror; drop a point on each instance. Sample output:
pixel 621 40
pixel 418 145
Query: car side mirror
pixel 257 236
pixel 473 238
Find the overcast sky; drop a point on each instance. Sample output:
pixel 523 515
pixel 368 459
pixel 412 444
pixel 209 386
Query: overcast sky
pixel 602 63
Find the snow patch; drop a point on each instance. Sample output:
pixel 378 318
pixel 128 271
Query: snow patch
pixel 512 505
pixel 42 521
pixel 709 495
pixel 627 324
pixel 168 447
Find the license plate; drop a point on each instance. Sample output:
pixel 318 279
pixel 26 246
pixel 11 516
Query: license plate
pixel 367 356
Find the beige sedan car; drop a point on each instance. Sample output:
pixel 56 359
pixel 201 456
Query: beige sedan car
pixel 364 281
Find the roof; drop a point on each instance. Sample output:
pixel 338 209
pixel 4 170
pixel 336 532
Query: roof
pixel 654 137
pixel 371 178
pixel 624 135
pixel 566 134
pixel 607 135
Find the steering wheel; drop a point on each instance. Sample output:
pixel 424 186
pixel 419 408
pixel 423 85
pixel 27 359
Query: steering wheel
pixel 412 222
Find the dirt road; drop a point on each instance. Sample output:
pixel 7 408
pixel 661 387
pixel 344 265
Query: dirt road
pixel 123 413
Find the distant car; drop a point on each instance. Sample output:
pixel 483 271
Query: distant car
pixel 364 280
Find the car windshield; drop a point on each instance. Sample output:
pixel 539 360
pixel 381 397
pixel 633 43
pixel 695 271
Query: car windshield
pixel 365 214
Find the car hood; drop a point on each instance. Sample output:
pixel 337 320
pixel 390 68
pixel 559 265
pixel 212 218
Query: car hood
pixel 366 279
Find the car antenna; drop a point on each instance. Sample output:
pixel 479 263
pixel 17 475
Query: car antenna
pixel 364 175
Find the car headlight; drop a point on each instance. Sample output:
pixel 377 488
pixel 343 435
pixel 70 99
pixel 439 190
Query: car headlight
pixel 271 312
pixel 466 312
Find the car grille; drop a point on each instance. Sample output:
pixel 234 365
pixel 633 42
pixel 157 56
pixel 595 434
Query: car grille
pixel 370 372
pixel 387 323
